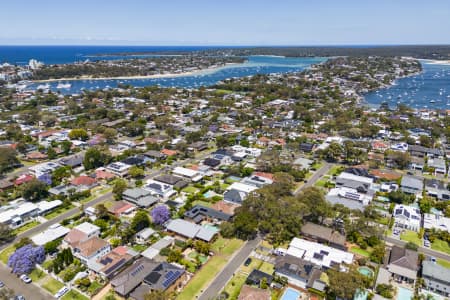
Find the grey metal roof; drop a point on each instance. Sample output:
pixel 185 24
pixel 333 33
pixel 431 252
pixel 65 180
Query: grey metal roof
pixel 412 182
pixel 435 271
pixel 183 228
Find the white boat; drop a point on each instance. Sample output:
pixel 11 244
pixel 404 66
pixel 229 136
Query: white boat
pixel 43 86
pixel 432 101
pixel 63 85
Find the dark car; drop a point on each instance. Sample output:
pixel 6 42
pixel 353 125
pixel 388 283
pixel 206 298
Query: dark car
pixel 1 284
pixel 247 262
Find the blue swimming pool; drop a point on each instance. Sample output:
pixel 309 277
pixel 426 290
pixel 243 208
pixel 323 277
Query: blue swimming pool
pixel 290 294
pixel 209 194
pixel 404 293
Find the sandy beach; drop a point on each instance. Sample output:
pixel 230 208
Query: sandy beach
pixel 166 75
pixel 436 62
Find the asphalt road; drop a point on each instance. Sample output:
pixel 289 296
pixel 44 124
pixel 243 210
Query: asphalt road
pixel 29 291
pixel 316 176
pixel 41 227
pixel 424 250
pixel 224 276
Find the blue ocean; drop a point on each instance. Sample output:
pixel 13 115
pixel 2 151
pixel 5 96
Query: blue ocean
pixel 430 89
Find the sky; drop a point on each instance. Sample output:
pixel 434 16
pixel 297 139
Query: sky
pixel 224 22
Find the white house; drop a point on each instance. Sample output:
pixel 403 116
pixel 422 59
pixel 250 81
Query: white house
pixel 407 217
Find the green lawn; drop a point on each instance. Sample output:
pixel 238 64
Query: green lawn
pixel 443 262
pixel 335 170
pixel 139 248
pixel 317 165
pixel 223 249
pixel 200 202
pixel 52 285
pixel 267 268
pixel 74 295
pixel 95 286
pixel 4 255
pixel 58 212
pixel 234 286
pixel 190 190
pixel 411 236
pixel 383 221
pixel 360 251
pixel 440 245
pixel 25 227
pixel 37 274
pixel 320 183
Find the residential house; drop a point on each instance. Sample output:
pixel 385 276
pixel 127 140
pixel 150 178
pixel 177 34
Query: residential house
pixel 190 230
pixel 324 235
pixel 299 272
pixel 190 174
pixel 198 213
pixel 122 208
pixel 407 217
pixel 436 221
pixel 145 275
pixel 155 155
pixel 118 168
pixel 256 276
pixel 140 197
pixel 411 185
pixel 360 183
pixel 436 278
pixel 403 264
pixel 420 151
pixel 160 189
pixel 436 188
pixel 81 233
pixel 142 236
pixel 174 181
pixel 153 251
pixel 52 233
pixel 251 293
pixel 438 164
pixel 113 262
pixel 349 197
pixel 91 249
pixel 237 192
pixel 318 254
pixel 417 163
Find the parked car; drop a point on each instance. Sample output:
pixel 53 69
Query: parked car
pixel 19 297
pixel 426 243
pixel 1 284
pixel 247 262
pixel 61 292
pixel 25 278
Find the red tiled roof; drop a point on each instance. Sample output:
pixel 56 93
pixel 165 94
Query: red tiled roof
pixel 83 180
pixel 101 174
pixel 264 175
pixel 23 179
pixel 168 152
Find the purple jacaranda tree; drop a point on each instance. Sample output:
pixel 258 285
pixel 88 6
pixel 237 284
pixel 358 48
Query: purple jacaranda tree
pixel 160 214
pixel 24 259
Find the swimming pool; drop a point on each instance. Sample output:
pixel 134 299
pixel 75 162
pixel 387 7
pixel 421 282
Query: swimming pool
pixel 209 194
pixel 404 293
pixel 290 294
pixel 211 227
pixel 365 271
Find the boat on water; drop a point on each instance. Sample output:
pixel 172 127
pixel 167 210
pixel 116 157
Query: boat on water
pixel 63 85
pixel 432 101
pixel 43 86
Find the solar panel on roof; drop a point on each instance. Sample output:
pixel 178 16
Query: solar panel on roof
pixel 115 266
